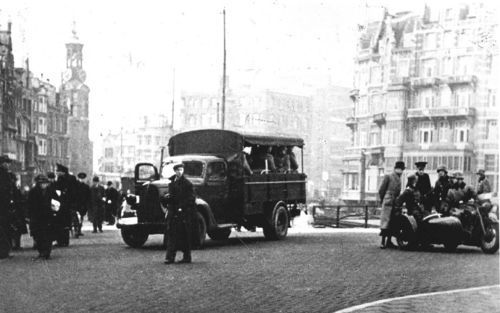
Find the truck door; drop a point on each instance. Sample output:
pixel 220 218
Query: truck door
pixel 215 190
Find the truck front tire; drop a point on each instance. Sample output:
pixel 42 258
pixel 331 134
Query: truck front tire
pixel 134 238
pixel 277 229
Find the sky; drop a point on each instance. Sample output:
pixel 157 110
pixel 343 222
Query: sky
pixel 133 48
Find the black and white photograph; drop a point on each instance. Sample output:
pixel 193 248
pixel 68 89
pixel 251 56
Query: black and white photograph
pixel 294 156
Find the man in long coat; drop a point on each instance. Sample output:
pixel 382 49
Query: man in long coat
pixel 483 185
pixel 424 186
pixel 441 188
pixel 181 205
pixel 6 196
pixel 65 187
pixel 42 217
pixel 388 192
pixel 112 197
pixel 83 201
pixel 97 198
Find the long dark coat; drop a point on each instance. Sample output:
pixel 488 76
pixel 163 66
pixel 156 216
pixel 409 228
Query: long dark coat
pixel 6 193
pixel 96 211
pixel 181 197
pixel 42 217
pixel 440 192
pixel 412 199
pixel 83 198
pixel 67 185
pixel 389 190
pixel 19 211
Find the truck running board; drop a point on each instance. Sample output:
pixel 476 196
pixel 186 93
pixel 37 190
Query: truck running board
pixel 227 225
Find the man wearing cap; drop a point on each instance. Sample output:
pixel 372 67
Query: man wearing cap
pixel 6 197
pixel 180 203
pixel 112 197
pixel 483 185
pixel 388 192
pixel 441 188
pixel 424 186
pixel 42 215
pixel 65 187
pixel 97 198
pixel 83 201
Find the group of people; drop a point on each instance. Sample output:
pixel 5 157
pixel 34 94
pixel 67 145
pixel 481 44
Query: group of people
pixel 53 207
pixel 269 159
pixel 419 198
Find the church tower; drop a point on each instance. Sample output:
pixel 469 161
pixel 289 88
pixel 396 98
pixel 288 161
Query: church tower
pixel 75 95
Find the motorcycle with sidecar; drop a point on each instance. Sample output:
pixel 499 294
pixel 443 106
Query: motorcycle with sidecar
pixel 473 223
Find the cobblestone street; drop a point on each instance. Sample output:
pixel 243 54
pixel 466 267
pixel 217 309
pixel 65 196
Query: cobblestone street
pixel 313 270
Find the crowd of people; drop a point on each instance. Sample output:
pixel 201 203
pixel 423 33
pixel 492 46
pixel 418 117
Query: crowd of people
pixel 267 159
pixel 420 199
pixel 52 208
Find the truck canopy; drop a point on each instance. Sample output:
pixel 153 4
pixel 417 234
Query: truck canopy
pixel 223 142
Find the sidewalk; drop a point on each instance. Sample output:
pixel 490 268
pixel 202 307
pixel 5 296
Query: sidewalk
pixel 481 299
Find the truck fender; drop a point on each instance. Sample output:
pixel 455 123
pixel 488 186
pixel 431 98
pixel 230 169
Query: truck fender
pixel 204 208
pixel 269 210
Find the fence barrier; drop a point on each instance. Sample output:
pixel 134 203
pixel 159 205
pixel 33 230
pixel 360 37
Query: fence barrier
pixel 345 216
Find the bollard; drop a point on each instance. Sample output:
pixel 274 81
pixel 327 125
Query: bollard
pixel 366 216
pixel 338 216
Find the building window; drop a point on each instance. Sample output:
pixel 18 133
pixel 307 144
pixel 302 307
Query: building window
pixel 148 140
pixel 449 39
pixel 490 163
pixel 139 139
pixel 443 132
pixel 425 133
pixel 461 132
pixel 492 130
pixel 403 68
pixel 447 66
pixel 108 152
pixel 158 140
pixel 464 65
pixel 429 68
pixel 430 41
pixel 42 126
pixel 42 147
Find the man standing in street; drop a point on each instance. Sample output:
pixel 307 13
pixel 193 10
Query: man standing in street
pixel 441 189
pixel 97 198
pixel 180 203
pixel 6 196
pixel 424 186
pixel 388 192
pixel 41 215
pixel 112 196
pixel 83 201
pixel 65 187
pixel 483 185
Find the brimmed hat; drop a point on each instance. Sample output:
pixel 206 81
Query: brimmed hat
pixel 458 175
pixel 480 172
pixel 5 159
pixel 420 164
pixel 109 183
pixel 81 175
pixel 61 168
pixel 400 165
pixel 41 179
pixel 95 179
pixel 442 168
pixel 177 165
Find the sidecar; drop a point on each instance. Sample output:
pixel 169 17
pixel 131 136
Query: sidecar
pixel 433 229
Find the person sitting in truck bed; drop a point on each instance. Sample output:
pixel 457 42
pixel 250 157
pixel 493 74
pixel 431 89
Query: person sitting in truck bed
pixel 294 166
pixel 247 160
pixel 282 160
pixel 263 155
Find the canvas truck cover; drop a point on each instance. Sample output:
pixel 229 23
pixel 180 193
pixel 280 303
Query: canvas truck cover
pixel 223 142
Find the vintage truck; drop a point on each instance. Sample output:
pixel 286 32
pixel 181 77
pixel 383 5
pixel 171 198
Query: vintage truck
pixel 227 196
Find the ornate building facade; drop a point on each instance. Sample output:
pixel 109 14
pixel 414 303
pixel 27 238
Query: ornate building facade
pixel 424 91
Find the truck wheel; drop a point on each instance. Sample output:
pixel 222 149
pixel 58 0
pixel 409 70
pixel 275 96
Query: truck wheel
pixel 219 234
pixel 278 228
pixel 134 238
pixel 199 231
pixel 489 241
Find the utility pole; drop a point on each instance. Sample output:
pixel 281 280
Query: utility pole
pixel 173 100
pixel 224 74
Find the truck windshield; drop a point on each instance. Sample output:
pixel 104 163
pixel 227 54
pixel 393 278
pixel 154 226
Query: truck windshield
pixel 192 169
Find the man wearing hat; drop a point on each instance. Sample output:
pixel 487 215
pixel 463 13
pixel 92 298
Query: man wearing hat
pixel 181 205
pixel 424 186
pixel 97 198
pixel 65 186
pixel 6 197
pixel 483 185
pixel 388 192
pixel 111 206
pixel 42 215
pixel 441 188
pixel 83 201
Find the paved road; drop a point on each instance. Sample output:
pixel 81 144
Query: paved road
pixel 313 270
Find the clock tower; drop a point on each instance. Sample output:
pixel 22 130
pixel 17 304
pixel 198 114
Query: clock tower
pixel 75 95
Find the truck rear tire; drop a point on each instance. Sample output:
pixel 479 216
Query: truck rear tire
pixel 219 233
pixel 134 238
pixel 278 228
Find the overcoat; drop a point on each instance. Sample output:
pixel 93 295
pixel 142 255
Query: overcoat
pixel 483 186
pixel 389 190
pixel 67 186
pixel 42 217
pixel 412 199
pixel 96 211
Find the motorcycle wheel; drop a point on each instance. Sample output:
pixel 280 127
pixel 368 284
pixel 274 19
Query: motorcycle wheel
pixel 490 246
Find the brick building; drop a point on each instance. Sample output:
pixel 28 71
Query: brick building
pixel 424 90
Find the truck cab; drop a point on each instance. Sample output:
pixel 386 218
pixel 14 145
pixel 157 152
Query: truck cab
pixel 228 193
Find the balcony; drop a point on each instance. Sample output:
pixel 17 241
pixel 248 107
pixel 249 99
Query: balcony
pixel 425 82
pixel 460 80
pixel 351 122
pixel 441 112
pixel 379 118
pixel 399 83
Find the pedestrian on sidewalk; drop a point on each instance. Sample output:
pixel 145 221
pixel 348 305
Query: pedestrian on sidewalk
pixel 6 197
pixel 388 192
pixel 42 215
pixel 180 202
pixel 111 206
pixel 97 199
